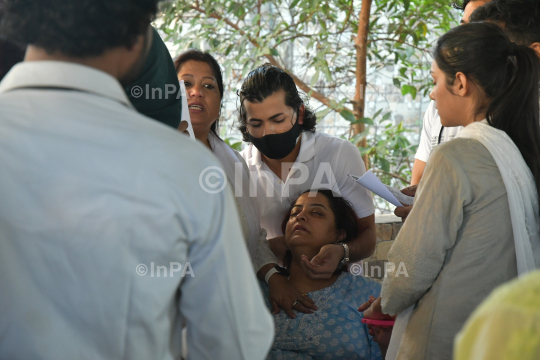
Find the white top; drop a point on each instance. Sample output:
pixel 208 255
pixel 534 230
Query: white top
pixel 324 161
pixel 91 194
pixel 431 129
pixel 237 176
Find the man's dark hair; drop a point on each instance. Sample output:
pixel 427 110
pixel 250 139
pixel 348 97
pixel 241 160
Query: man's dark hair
pixel 519 18
pixel 461 5
pixel 77 28
pixel 10 54
pixel 198 55
pixel 508 77
pixel 265 81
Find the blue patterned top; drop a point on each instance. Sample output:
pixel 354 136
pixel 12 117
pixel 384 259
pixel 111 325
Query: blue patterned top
pixel 335 331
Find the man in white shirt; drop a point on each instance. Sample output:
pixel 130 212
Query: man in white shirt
pixel 108 244
pixel 287 157
pixel 433 133
pixel 519 18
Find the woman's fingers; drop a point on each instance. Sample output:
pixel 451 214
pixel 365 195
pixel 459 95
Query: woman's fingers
pixel 324 271
pixel 364 306
pixel 275 307
pixel 289 311
pixel 403 211
pixel 302 308
pixel 410 191
pixel 306 302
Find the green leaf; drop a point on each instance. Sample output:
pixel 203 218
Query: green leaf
pixel 386 116
pixel 364 150
pixel 407 3
pixel 412 91
pixel 274 52
pixel 359 137
pixel 293 4
pixel 256 19
pixel 321 114
pixel 347 115
pixel 363 121
pixel 405 89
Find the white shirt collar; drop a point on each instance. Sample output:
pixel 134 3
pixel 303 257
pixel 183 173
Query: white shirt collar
pixel 64 75
pixel 307 150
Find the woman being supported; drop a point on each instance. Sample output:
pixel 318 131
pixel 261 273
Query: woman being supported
pixel 334 330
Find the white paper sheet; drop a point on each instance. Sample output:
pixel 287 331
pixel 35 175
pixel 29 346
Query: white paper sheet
pixel 401 197
pixel 371 182
pixel 185 110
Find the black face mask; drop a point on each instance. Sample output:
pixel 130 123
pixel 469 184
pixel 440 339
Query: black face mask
pixel 277 146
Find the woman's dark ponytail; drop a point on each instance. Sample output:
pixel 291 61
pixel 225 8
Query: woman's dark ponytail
pixel 515 110
pixel 508 74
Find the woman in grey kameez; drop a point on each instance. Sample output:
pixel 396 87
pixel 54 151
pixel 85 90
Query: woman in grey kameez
pixel 474 224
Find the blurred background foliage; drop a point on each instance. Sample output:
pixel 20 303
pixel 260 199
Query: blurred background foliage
pixel 315 41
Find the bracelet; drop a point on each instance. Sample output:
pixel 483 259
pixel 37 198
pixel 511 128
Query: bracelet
pixel 346 253
pixel 270 272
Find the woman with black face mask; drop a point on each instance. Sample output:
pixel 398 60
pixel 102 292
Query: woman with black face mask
pixel 286 157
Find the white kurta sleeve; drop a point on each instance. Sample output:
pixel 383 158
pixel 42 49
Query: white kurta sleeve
pixel 424 147
pixel 431 229
pixel 265 255
pixel 222 302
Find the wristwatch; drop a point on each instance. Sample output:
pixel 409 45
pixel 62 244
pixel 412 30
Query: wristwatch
pixel 346 253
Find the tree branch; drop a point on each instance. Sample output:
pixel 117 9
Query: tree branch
pixel 392 175
pixel 301 84
pixel 399 41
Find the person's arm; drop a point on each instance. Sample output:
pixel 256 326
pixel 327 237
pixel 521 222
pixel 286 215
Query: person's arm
pixel 431 117
pixel 282 295
pixel 419 251
pixel 381 334
pixel 421 157
pixel 424 146
pixel 222 303
pixel 417 171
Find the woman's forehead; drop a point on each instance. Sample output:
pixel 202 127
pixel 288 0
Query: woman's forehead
pixel 311 198
pixel 199 69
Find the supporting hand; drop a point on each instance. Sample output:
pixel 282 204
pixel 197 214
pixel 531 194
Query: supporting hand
pixel 325 263
pixel 284 295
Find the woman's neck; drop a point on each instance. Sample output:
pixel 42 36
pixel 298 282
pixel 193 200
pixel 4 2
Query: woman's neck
pixel 276 165
pixel 304 283
pixel 202 136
